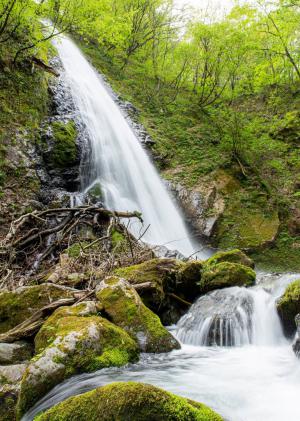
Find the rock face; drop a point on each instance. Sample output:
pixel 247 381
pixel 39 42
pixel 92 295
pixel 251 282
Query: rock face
pixel 296 345
pixel 73 340
pixel 125 308
pixel 226 274
pixel 15 353
pixel 288 307
pixel 203 206
pixel 129 402
pixel 17 306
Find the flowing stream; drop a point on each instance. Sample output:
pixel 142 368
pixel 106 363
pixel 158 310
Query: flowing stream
pixel 234 356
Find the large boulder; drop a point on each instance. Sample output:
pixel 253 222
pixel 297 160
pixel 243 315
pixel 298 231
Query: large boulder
pixel 288 307
pixel 296 345
pixel 122 304
pixel 73 340
pixel 226 274
pixel 129 402
pixel 17 306
pixel 232 256
pixel 15 352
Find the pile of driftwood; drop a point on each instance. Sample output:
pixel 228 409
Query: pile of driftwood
pixel 37 238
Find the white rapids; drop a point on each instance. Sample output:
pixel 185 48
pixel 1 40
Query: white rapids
pixel 257 380
pixel 119 164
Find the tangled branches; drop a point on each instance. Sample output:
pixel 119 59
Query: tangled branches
pixel 41 236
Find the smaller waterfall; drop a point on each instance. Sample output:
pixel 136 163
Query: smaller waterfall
pixel 232 317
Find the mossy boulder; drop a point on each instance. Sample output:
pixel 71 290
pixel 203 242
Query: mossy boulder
pixel 226 274
pixel 124 307
pixel 166 276
pixel 161 273
pixel 17 306
pixel 232 256
pixel 129 402
pixel 73 340
pixel 64 152
pixel 288 307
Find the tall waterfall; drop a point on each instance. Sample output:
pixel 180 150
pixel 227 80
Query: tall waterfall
pixel 119 164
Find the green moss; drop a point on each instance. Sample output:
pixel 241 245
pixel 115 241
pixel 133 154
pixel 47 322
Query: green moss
pixel 64 151
pixel 288 307
pixel 226 274
pixel 17 306
pixel 69 344
pixel 129 402
pixel 232 256
pixel 75 249
pixel 125 308
pixel 282 256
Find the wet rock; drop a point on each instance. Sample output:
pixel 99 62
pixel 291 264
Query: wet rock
pixel 288 307
pixel 296 345
pixel 17 306
pixel 129 401
pixel 125 308
pixel 15 352
pixel 73 340
pixel 226 274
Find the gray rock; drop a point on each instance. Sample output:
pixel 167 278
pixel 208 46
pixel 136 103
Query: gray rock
pixel 296 345
pixel 9 394
pixel 15 352
pixel 11 374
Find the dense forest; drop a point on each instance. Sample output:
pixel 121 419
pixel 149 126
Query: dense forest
pixel 219 96
pixel 149 210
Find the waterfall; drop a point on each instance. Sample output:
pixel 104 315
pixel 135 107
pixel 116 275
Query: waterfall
pixel 120 167
pixel 235 316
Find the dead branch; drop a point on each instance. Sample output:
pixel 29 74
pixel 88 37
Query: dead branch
pixel 44 66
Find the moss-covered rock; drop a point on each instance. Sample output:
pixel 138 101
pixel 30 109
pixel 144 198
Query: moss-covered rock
pixel 166 276
pixel 64 151
pixel 288 307
pixel 162 273
pixel 226 274
pixel 73 340
pixel 232 256
pixel 17 306
pixel 125 308
pixel 129 402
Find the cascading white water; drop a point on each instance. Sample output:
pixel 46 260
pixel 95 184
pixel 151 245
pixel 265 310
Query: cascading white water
pixel 119 165
pixel 232 317
pixel 259 381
